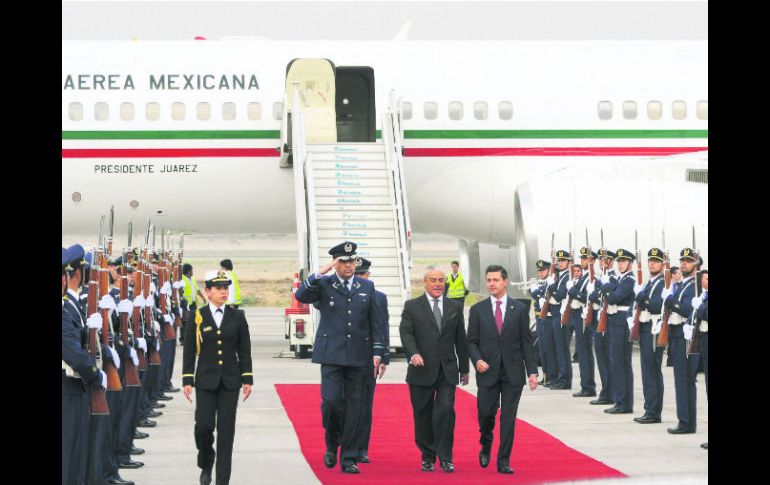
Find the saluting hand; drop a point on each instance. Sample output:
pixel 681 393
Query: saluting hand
pixel 325 268
pixel 246 391
pixel 482 366
pixel 187 391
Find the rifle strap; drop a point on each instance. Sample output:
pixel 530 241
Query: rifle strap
pixel 198 336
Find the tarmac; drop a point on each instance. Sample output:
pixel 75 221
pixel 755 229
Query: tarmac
pixel 267 450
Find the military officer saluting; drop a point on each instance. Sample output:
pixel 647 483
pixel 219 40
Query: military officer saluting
pixel 650 300
pixel 538 294
pixel 218 336
pixel 349 345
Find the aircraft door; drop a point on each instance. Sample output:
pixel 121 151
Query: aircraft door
pixel 315 78
pixel 356 116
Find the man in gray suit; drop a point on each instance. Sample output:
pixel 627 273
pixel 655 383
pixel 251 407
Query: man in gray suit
pixel 500 345
pixel 433 335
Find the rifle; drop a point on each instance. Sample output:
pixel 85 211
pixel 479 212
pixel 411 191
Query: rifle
pixel 634 337
pixel 97 396
pixel 602 327
pixel 568 311
pixel 589 306
pixel 136 317
pixel 132 376
pixel 113 378
pixel 168 330
pixel 176 276
pixel 546 304
pixel 694 347
pixel 663 335
pixel 148 326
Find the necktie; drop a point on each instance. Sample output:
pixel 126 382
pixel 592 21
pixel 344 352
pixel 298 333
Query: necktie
pixel 499 317
pixel 437 313
pixel 219 310
pixel 345 284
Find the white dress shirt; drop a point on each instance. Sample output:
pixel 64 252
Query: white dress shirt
pixel 494 300
pixel 440 302
pixel 218 316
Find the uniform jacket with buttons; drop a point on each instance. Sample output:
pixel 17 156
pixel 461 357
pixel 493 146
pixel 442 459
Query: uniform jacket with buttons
pixel 537 294
pixel 225 352
pixel 381 299
pixel 350 331
pixel 650 298
pixel 620 292
pixel 558 292
pixel 681 301
pixel 74 354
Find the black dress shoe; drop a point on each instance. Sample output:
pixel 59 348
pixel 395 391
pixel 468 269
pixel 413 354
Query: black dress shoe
pixel 548 384
pixel 505 469
pixel 679 430
pixel 131 464
pixel 136 451
pixel 559 386
pixel 330 459
pixel 583 393
pixel 147 423
pixel 164 398
pixel 205 478
pixel 139 435
pixel 154 414
pixel 617 410
pixel 158 405
pixel 171 389
pixel 647 419
pixel 427 465
pixel 118 481
pixel 541 382
pixel 352 468
pixel 484 458
pixel 447 466
pixel 362 459
pixel 602 402
pixel 705 446
pixel 574 358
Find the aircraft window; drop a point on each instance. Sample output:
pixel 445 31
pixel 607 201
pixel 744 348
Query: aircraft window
pixel 278 110
pixel 127 111
pixel 101 111
pixel 177 111
pixel 255 111
pixel 605 110
pixel 430 110
pixel 204 111
pixel 480 110
pixel 153 111
pixel 228 111
pixel 679 110
pixel 455 110
pixel 505 110
pixel 703 110
pixel 629 110
pixel 654 110
pixel 406 110
pixel 76 197
pixel 76 112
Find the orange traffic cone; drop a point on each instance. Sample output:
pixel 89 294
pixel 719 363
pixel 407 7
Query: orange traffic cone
pixel 296 307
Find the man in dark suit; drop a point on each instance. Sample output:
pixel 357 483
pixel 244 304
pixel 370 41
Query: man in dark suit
pixel 349 345
pixel 223 348
pixel 433 334
pixel 500 346
pixel 365 427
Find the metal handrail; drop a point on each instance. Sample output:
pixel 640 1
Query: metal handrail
pixel 394 110
pixel 298 156
pixel 311 212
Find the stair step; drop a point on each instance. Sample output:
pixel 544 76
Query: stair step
pixel 352 200
pixel 355 225
pixel 348 157
pixel 345 147
pixel 354 215
pixel 363 245
pixel 353 234
pixel 346 183
pixel 360 165
pixel 354 208
pixel 351 191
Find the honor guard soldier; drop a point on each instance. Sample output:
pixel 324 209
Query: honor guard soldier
pixel 619 292
pixel 583 338
pixel 79 372
pixel 218 336
pixel 680 305
pixel 701 317
pixel 349 340
pixel 650 300
pixel 365 431
pixel 559 357
pixel 538 295
pixel 601 339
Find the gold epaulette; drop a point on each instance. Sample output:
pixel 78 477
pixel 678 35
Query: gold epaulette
pixel 198 336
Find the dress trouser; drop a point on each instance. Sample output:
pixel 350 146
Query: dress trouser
pixel 342 402
pixel 433 409
pixel 75 423
pixel 684 377
pixel 540 325
pixel 365 426
pixel 584 347
pixel 216 408
pixel 651 358
pixel 602 349
pixel 506 396
pixel 620 358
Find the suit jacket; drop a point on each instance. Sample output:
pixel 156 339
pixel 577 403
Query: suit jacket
pixel 420 335
pixel 513 349
pixel 225 352
pixel 381 300
pixel 350 331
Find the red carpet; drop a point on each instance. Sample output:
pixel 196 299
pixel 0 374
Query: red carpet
pixel 537 456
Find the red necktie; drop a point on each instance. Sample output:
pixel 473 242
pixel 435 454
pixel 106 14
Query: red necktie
pixel 499 318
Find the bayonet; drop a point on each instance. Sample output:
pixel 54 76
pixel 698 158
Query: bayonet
pixel 101 231
pixel 636 243
pixel 153 236
pixel 588 245
pixel 130 232
pixel 693 240
pixel 147 234
pixel 601 236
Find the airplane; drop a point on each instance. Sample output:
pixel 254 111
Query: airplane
pixel 505 142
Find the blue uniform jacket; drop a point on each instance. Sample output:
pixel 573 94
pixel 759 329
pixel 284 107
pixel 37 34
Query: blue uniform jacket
pixel 681 300
pixel 579 292
pixel 620 291
pixel 382 306
pixel 650 298
pixel 351 327
pixel 74 355
pixel 537 294
pixel 558 291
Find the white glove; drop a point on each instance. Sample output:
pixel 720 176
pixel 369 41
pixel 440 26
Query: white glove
pixel 541 302
pixel 157 345
pixel 590 287
pixel 168 319
pixel 687 329
pixel 104 379
pixel 630 322
pixel 605 279
pixel 179 284
pixel 115 357
pixel 125 306
pixel 107 303
pixel 149 302
pixel 152 287
pixel 656 325
pixel 156 325
pixel 94 321
pixel 142 343
pixel 637 288
pixel 134 357
pixel 139 301
pixel 550 280
pixel 697 301
pixel 165 289
pixel 570 284
pixel 179 312
pixel 666 293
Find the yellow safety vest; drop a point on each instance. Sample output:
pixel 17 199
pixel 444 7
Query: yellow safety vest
pixel 236 289
pixel 190 290
pixel 456 287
